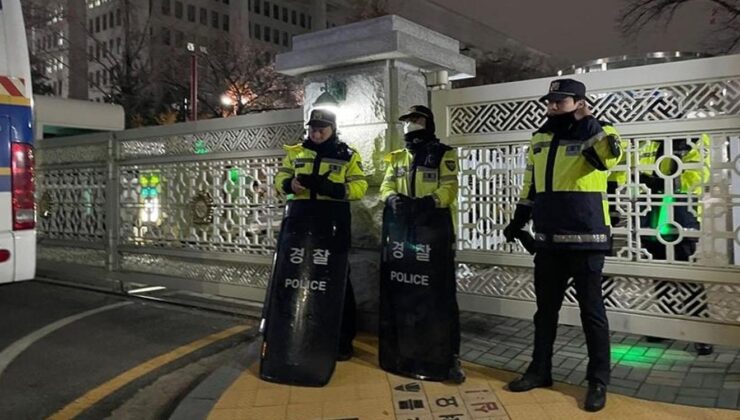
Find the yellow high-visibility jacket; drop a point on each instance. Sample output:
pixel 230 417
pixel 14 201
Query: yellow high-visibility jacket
pixel 565 184
pixel 343 163
pixel 440 182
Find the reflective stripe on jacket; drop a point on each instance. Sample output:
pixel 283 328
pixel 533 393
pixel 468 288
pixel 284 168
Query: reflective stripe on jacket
pixel 565 182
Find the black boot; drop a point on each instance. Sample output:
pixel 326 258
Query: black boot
pixel 703 349
pixel 529 381
pixel 345 353
pixel 595 397
pixel 456 375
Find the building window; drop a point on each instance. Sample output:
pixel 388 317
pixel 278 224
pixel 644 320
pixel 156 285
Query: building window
pixel 285 14
pixel 249 5
pixel 118 17
pixel 309 21
pixel 166 7
pixel 90 80
pixel 97 51
pixel 118 45
pixel 276 11
pixel 257 6
pixel 97 77
pixel 214 19
pixel 178 9
pixel 225 24
pixel 90 53
pixel 225 1
pixel 179 36
pixel 303 20
pixel 267 34
pixel 293 18
pixel 110 46
pixel 285 39
pixel 90 26
pixel 105 77
pixel 97 24
pixel 166 36
pixel 276 36
pixel 257 31
pixel 110 20
pixel 105 23
pixel 191 13
pixel 250 29
pixel 203 16
pixel 267 8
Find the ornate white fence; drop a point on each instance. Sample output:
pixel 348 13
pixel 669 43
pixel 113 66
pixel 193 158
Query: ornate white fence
pixel 697 299
pixel 189 205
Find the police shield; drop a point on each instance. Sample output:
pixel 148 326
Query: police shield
pixel 419 324
pixel 303 308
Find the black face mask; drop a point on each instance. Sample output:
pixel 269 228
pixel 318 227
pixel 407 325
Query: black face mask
pixel 561 121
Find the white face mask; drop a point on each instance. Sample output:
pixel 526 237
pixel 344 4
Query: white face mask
pixel 410 126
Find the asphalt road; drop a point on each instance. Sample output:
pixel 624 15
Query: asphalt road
pixel 69 352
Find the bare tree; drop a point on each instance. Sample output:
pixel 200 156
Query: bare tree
pixel 506 65
pixel 367 9
pixel 639 13
pixel 245 75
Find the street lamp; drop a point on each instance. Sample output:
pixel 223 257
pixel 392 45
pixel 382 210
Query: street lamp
pixel 194 78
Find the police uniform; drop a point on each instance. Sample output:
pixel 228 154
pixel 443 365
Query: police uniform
pixel 333 175
pixel 421 183
pixel 690 181
pixel 564 192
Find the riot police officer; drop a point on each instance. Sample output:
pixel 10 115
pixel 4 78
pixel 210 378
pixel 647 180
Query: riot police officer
pixel 564 193
pixel 420 330
pixel 320 176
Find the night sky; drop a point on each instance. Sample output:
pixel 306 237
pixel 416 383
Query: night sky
pixel 578 30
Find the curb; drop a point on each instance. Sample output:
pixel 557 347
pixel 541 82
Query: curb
pixel 199 402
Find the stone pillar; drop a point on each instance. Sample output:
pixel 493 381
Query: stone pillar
pixel 376 70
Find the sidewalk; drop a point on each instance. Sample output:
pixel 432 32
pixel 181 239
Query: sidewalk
pixel 359 389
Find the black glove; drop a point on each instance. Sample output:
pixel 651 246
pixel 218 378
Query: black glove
pixel 654 183
pixel 521 217
pixel 329 188
pixel 308 181
pixel 399 203
pixel 423 204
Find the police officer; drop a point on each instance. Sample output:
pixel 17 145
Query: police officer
pixel 564 193
pixel 421 182
pixel 691 180
pixel 320 176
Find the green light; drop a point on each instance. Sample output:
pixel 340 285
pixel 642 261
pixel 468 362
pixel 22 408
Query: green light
pixel 149 185
pixel 199 147
pixel 234 175
pixel 663 226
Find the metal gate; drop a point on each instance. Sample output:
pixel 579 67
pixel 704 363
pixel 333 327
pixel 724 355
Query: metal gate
pixel 698 299
pixel 189 206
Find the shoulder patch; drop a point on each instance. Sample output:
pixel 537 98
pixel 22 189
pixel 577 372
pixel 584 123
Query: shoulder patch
pixel 450 164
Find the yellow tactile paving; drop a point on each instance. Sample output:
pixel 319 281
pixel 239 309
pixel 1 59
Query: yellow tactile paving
pixel 360 390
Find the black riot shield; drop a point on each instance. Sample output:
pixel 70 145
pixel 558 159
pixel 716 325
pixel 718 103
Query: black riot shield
pixel 303 312
pixel 419 319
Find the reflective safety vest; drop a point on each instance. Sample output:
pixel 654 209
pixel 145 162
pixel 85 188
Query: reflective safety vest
pixel 344 167
pixel 439 182
pixel 565 182
pixel 694 175
pixel 691 179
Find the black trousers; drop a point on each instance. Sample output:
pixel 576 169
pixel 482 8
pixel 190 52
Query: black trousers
pixel 349 321
pixel 552 270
